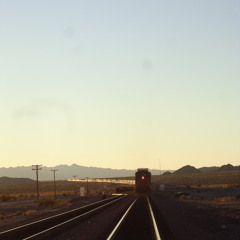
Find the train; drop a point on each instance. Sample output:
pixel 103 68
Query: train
pixel 124 189
pixel 143 181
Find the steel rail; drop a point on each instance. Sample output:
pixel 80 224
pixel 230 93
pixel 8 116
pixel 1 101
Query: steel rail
pixel 47 231
pixel 120 222
pixel 57 217
pixel 156 231
pixel 153 225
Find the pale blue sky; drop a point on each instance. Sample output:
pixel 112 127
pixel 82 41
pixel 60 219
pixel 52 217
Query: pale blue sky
pixel 120 84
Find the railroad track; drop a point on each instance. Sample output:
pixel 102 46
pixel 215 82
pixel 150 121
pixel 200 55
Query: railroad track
pixel 138 222
pixel 44 228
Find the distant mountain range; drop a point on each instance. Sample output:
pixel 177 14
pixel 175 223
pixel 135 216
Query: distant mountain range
pixel 75 171
pixel 191 169
pixel 66 172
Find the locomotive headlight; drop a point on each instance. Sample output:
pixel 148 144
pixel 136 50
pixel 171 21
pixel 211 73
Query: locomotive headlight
pixel 142 177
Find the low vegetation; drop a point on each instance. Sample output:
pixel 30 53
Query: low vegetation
pixel 225 199
pixel 49 203
pixel 65 189
pixel 7 198
pixel 30 212
pixel 210 178
pixel 2 215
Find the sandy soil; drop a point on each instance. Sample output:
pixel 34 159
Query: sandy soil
pixel 200 212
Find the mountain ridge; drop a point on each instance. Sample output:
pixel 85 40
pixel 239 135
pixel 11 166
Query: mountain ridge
pixel 70 171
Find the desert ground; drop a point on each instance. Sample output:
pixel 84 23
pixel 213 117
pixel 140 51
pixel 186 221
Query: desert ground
pixel 189 210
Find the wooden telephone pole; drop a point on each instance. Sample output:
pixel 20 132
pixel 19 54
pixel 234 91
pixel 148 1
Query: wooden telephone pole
pixel 37 168
pixel 54 183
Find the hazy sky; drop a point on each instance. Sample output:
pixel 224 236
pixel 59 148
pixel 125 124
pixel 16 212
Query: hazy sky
pixel 120 84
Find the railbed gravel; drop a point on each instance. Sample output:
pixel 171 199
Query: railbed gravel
pixel 73 203
pixel 96 227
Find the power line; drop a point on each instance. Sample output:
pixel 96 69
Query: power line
pixel 37 168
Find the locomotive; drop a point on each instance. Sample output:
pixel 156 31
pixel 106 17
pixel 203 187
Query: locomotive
pixel 143 181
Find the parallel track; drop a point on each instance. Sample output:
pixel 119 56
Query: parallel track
pixel 47 226
pixel 138 222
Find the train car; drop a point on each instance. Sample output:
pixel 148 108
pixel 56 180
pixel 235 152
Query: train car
pixel 143 181
pixel 124 189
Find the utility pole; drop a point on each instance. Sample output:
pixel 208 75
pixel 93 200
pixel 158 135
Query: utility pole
pixel 75 187
pixel 54 182
pixel 96 185
pixel 37 168
pixel 160 166
pixel 87 184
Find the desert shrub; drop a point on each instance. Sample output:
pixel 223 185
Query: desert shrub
pixel 225 199
pixel 181 195
pixel 7 198
pixel 49 203
pixel 2 215
pixel 67 194
pixel 18 213
pixel 14 198
pixel 22 196
pixel 30 212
